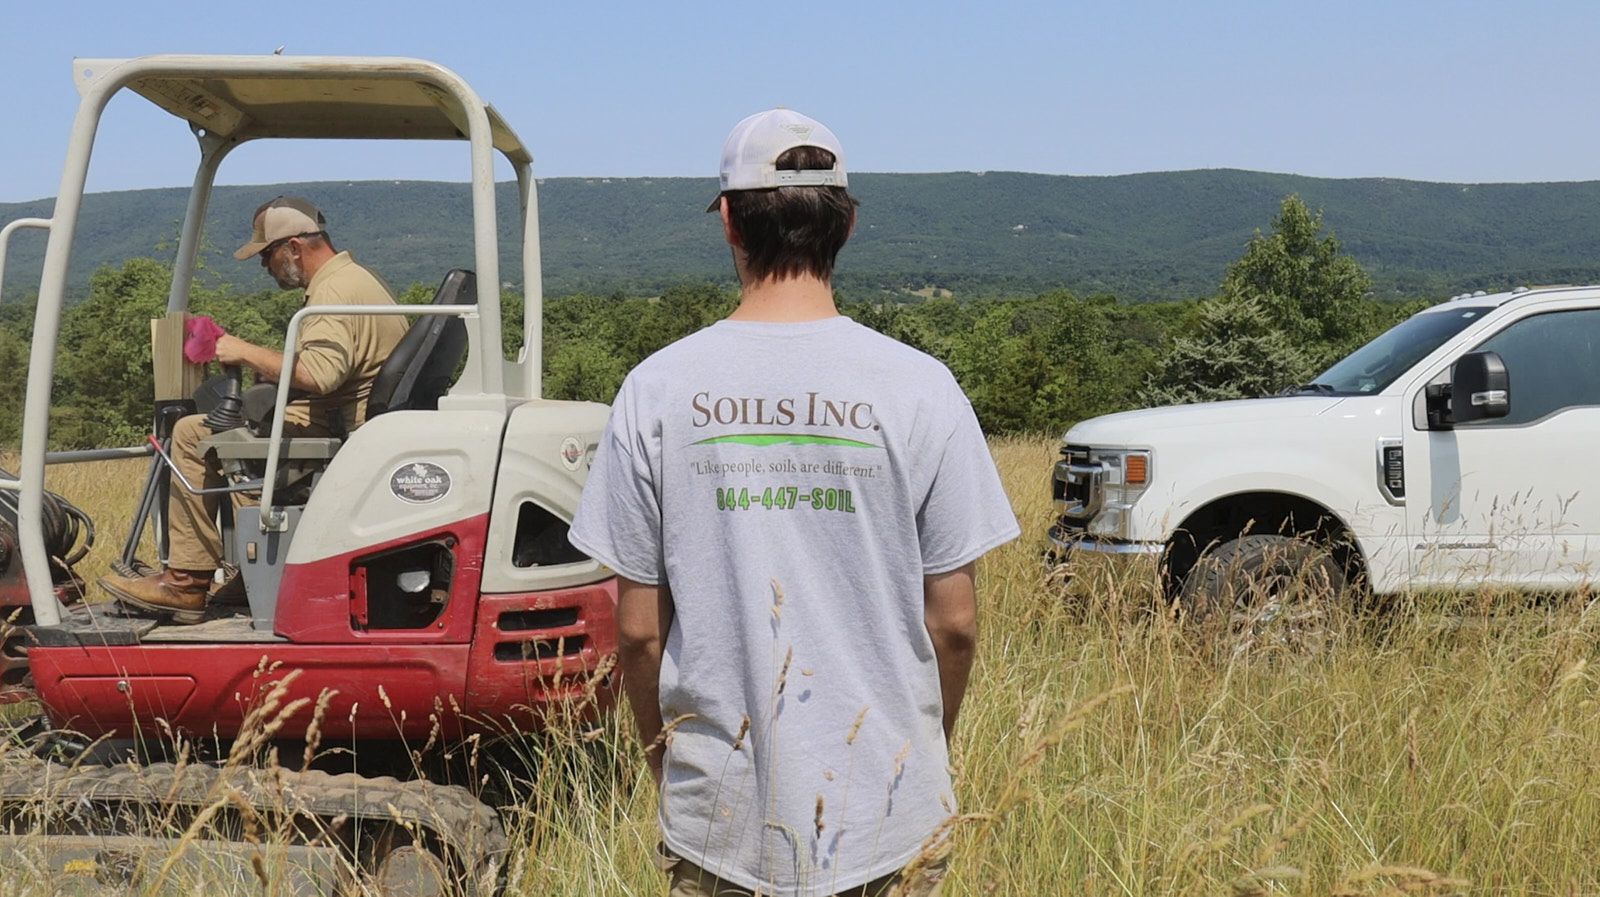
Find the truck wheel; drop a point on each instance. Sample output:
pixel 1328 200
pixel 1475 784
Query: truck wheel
pixel 1257 592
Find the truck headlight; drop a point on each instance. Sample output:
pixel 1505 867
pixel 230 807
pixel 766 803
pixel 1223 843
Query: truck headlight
pixel 1127 474
pixel 1094 489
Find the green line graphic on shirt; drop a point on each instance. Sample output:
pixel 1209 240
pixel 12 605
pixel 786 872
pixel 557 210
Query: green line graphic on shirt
pixel 783 439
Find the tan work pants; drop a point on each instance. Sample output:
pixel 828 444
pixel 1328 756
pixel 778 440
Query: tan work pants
pixel 688 880
pixel 196 545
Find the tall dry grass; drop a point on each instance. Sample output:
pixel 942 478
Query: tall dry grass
pixel 1101 752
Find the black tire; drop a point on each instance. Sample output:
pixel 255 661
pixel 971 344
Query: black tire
pixel 1257 592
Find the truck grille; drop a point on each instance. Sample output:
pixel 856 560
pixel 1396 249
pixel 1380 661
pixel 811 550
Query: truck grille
pixel 1078 486
pixel 1064 490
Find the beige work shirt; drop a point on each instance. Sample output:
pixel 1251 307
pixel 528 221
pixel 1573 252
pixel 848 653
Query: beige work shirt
pixel 343 353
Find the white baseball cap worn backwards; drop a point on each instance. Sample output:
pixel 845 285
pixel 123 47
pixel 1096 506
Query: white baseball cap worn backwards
pixel 750 154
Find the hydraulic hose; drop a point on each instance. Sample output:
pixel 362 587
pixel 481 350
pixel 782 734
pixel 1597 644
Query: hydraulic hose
pixel 68 531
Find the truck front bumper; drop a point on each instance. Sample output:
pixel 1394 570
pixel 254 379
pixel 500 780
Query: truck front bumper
pixel 1067 541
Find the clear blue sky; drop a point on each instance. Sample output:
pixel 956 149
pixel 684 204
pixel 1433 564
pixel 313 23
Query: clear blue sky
pixel 1459 91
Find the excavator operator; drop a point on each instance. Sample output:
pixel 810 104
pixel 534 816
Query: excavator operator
pixel 338 359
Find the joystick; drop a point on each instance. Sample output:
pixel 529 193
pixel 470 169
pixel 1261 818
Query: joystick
pixel 229 412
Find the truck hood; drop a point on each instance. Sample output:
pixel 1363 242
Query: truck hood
pixel 1138 427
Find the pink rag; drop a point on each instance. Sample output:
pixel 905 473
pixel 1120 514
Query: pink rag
pixel 200 335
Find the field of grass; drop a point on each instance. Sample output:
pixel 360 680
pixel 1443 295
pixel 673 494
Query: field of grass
pixel 1101 752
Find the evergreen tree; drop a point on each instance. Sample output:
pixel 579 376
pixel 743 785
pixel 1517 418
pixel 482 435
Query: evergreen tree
pixel 1233 351
pixel 1301 281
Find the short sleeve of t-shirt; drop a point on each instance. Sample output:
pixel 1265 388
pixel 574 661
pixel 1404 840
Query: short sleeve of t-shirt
pixel 965 512
pixel 619 515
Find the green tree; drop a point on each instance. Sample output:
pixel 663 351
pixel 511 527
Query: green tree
pixel 1000 370
pixel 679 312
pixel 13 386
pixel 103 356
pixel 261 317
pixel 899 322
pixel 1302 282
pixel 1232 351
pixel 584 370
pixel 1086 356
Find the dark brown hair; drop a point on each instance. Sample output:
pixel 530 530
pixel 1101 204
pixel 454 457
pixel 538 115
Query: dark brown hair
pixel 793 231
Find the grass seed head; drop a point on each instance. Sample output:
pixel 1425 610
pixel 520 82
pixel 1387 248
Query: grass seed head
pixel 855 727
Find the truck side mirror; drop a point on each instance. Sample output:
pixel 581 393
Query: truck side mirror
pixel 1480 388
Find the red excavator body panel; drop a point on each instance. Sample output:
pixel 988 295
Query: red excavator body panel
pixel 516 672
pixel 485 663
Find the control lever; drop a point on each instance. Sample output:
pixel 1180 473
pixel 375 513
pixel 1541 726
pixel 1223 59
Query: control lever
pixel 229 412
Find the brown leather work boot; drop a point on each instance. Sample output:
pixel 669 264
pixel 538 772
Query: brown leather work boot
pixel 231 592
pixel 180 594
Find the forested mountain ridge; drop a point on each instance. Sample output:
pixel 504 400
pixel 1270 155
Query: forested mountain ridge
pixel 1286 307
pixel 1144 236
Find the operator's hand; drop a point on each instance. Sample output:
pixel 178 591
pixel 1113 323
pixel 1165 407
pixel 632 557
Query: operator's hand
pixel 232 350
pixel 267 363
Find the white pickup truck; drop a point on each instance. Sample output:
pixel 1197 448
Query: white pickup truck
pixel 1459 449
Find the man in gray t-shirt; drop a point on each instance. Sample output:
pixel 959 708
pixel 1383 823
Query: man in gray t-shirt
pixel 794 505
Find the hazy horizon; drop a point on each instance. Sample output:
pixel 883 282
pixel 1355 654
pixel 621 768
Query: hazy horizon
pixel 1428 91
pixel 647 177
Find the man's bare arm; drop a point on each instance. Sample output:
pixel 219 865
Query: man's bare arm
pixel 266 362
pixel 644 615
pixel 950 606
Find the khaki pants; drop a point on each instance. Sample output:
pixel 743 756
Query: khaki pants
pixel 688 880
pixel 191 519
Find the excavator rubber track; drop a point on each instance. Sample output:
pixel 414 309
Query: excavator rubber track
pixel 165 828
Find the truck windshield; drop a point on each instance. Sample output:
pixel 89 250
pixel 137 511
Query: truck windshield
pixel 1374 366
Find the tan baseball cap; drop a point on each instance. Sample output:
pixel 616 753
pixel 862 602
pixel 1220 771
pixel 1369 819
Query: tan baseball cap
pixel 278 219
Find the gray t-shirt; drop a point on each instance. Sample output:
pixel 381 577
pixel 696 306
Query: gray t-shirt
pixel 792 484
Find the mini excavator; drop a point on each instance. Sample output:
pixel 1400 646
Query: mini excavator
pixel 407 586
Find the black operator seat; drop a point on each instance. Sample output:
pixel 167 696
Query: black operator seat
pixel 422 366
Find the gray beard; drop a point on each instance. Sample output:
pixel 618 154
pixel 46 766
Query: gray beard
pixel 293 276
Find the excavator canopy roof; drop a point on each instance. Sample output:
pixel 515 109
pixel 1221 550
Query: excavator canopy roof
pixel 248 97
